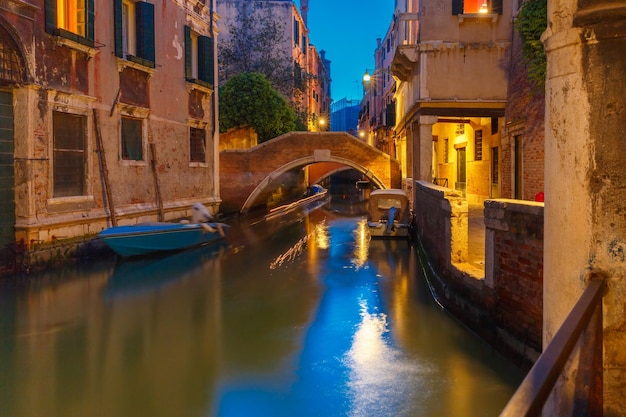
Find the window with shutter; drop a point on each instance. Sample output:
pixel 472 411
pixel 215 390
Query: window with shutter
pixel 199 58
pixel 134 31
pixel 132 139
pixel 476 6
pixel 71 19
pixel 197 145
pixel 145 32
pixel 69 156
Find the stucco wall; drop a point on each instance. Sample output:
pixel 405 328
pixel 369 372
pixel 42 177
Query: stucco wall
pixel 92 83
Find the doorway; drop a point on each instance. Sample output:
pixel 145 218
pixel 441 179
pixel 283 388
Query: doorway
pixel 461 174
pixel 517 167
pixel 7 171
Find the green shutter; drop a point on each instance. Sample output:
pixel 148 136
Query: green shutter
pixel 91 20
pixel 457 6
pixel 51 16
pixel 117 28
pixel 145 31
pixel 206 71
pixel 188 53
pixel 496 6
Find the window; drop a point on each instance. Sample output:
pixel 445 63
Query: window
pixel 132 139
pixel 11 63
pixel 199 58
pixel 68 154
pixel 296 32
pixel 517 167
pixel 71 19
pixel 134 31
pixel 475 6
pixel 495 165
pixel 478 145
pixel 197 145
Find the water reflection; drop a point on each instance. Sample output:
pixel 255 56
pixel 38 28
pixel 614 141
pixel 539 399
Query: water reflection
pixel 310 320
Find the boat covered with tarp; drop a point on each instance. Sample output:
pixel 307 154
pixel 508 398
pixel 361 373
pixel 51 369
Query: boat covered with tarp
pixel 388 213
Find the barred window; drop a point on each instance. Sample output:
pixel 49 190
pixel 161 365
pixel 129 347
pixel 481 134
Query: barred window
pixel 197 145
pixel 68 154
pixel 11 66
pixel 478 145
pixel 132 139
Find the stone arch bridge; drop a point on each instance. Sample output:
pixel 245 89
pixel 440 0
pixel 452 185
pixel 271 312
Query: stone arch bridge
pixel 245 173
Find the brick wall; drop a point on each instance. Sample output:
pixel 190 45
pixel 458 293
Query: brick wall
pixel 525 116
pixel 514 245
pixel 241 171
pixel 504 304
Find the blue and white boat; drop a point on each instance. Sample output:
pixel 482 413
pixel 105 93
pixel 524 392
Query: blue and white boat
pixel 146 238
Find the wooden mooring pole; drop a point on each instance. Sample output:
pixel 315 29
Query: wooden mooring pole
pixel 104 172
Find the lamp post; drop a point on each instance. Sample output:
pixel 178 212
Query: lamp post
pixel 321 124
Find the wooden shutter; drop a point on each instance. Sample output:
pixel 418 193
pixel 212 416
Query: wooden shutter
pixel 206 71
pixel 51 16
pixel 496 6
pixel 117 28
pixel 145 31
pixel 390 114
pixel 457 6
pixel 188 53
pixel 91 20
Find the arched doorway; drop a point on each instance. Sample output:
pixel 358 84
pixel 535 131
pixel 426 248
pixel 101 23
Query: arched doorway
pixel 12 72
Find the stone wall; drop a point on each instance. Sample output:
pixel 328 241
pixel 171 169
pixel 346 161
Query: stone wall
pixel 503 302
pixel 514 248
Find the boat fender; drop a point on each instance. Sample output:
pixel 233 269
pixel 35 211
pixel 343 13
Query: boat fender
pixel 200 214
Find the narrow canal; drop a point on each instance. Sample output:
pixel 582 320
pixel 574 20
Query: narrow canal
pixel 307 319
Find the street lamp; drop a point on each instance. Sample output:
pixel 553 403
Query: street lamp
pixel 366 77
pixel 322 123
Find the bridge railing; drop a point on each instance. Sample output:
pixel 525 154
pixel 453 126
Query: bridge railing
pixel 584 325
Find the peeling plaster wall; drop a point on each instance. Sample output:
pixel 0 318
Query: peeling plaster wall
pixel 92 82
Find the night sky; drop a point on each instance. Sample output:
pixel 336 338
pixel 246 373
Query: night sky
pixel 347 31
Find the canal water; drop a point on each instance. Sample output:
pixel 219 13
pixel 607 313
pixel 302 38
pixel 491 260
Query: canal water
pixel 305 318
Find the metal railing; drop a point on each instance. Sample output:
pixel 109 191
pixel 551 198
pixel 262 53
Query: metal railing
pixel 584 320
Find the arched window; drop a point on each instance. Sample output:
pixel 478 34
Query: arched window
pixel 11 64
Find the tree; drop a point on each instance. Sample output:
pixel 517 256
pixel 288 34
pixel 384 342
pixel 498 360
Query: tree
pixel 249 100
pixel 253 45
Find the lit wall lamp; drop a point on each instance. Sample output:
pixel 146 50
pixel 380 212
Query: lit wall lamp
pixel 376 73
pixel 322 123
pixel 483 8
pixel 366 77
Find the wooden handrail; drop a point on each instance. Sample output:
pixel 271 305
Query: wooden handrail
pixel 536 387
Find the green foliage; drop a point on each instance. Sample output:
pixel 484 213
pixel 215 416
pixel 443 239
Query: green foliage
pixel 249 100
pixel 531 23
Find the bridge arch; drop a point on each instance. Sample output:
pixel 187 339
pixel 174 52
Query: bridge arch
pixel 245 173
pixel 300 163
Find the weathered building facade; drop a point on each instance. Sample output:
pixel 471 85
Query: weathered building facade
pixel 309 68
pixel 585 183
pixel 451 63
pixel 377 116
pixel 108 115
